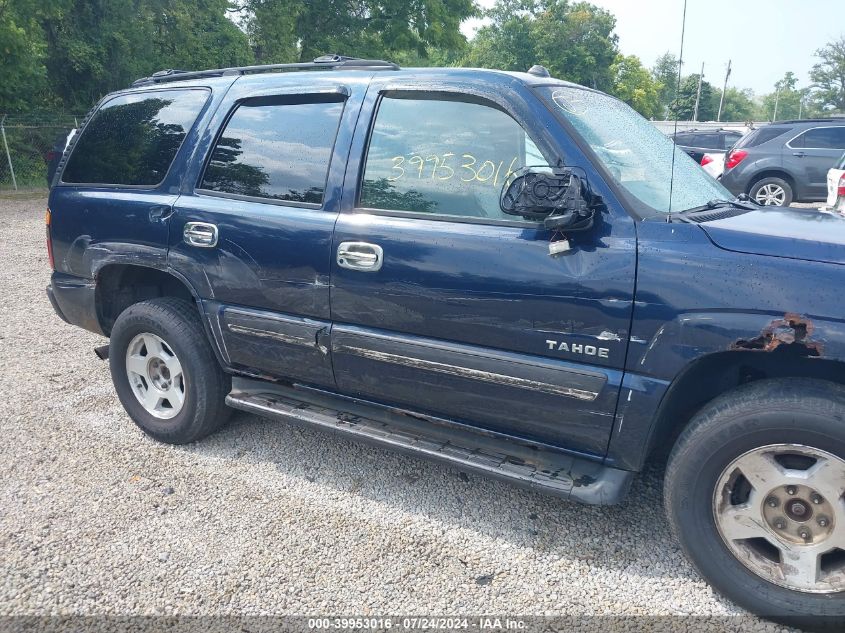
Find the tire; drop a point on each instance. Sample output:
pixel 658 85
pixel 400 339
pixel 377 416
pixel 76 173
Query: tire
pixel 772 191
pixel 706 486
pixel 165 372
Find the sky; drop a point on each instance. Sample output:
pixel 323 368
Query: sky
pixel 762 38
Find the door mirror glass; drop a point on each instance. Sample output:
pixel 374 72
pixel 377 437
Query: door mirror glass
pixel 555 196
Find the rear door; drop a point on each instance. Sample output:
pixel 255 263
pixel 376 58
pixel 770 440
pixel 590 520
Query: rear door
pixel 812 154
pixel 253 232
pixel 443 304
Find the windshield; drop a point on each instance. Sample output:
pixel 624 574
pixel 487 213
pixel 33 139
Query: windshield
pixel 637 154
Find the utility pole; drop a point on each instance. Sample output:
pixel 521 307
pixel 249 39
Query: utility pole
pixel 800 107
pixel 777 98
pixel 724 89
pixel 698 94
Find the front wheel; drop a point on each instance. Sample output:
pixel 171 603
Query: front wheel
pixel 754 492
pixel 165 372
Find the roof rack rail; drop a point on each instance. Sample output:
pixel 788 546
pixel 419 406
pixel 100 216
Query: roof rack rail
pixel 325 61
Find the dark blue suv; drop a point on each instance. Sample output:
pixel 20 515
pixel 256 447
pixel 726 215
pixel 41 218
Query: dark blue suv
pixel 516 275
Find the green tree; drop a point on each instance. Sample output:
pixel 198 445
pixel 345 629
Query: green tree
pixel 574 41
pixel 97 46
pixel 508 42
pixel 829 76
pixel 738 105
pixel 24 79
pixel 785 102
pixel 684 105
pixel 287 30
pixel 665 73
pixel 633 83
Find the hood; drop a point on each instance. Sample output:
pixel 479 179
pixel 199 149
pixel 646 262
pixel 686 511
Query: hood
pixel 782 232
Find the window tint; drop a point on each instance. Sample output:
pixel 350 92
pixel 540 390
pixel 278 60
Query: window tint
pixel 279 150
pixel 821 138
pixel 761 135
pixel 707 141
pixel 731 140
pixel 133 138
pixel 442 156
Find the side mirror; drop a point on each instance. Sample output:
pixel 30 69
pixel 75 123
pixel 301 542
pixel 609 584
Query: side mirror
pixel 555 196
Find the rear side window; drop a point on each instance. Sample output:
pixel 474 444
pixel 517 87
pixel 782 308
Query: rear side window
pixel 731 139
pixel 276 149
pixel 707 141
pixel 761 135
pixel 132 139
pixel 821 138
pixel 443 156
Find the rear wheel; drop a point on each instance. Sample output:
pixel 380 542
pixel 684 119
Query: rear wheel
pixel 772 192
pixel 754 491
pixel 165 372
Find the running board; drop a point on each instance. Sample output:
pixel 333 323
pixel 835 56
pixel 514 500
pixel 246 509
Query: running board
pixel 532 466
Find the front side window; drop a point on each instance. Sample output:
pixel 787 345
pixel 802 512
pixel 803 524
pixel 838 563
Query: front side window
pixel 443 156
pixel 275 149
pixel 635 153
pixel 132 139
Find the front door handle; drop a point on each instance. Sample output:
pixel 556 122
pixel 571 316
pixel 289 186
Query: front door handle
pixel 360 256
pixel 200 234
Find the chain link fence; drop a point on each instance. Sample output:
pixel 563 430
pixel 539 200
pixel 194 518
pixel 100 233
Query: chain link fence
pixel 28 144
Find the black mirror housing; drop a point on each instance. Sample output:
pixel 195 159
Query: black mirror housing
pixel 557 197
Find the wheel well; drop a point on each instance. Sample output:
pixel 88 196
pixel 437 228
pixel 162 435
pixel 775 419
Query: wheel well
pixel 715 374
pixel 773 173
pixel 121 285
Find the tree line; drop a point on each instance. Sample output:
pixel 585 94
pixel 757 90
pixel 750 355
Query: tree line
pixel 63 55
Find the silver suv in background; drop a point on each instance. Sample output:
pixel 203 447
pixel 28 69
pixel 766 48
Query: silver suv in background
pixel 786 161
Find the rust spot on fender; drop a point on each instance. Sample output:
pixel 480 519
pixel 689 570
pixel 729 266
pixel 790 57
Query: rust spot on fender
pixel 792 333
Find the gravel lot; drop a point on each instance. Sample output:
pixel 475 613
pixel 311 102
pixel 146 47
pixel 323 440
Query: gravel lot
pixel 265 518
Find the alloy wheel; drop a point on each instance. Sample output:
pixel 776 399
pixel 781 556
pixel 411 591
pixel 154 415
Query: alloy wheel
pixel 155 375
pixel 771 195
pixel 780 511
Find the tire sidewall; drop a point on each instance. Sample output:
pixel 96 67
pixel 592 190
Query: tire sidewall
pixel 789 194
pixel 127 328
pixel 690 505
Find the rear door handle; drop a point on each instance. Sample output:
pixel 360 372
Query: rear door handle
pixel 799 154
pixel 200 234
pixel 360 256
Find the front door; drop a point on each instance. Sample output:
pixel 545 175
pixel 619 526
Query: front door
pixel 254 236
pixel 443 304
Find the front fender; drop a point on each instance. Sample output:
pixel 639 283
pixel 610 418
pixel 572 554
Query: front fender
pixel 693 335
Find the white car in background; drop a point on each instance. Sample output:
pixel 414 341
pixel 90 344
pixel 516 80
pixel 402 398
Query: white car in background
pixel 836 186
pixel 713 163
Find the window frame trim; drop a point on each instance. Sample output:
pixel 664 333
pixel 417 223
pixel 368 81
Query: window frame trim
pixel 307 96
pixel 458 95
pixel 104 185
pixel 810 129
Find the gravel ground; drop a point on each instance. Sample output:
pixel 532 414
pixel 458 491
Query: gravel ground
pixel 265 518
